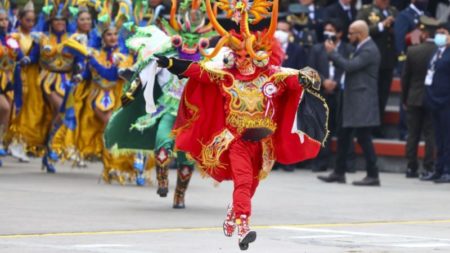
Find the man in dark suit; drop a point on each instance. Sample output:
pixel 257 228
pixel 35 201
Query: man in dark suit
pixel 332 77
pixel 380 17
pixel 418 116
pixel 343 11
pixel 437 82
pixel 360 103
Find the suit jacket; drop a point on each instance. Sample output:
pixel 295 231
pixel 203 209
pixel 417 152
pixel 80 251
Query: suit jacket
pixel 335 11
pixel 296 57
pixel 414 72
pixel 438 94
pixel 319 60
pixel 360 100
pixel 406 21
pixel 384 39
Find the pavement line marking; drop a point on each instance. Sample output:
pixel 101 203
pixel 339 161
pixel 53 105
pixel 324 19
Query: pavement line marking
pixel 356 233
pixel 421 245
pixel 168 230
pixel 319 236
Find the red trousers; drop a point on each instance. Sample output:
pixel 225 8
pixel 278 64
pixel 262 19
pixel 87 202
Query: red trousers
pixel 245 162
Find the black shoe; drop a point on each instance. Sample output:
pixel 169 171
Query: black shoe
pixel 411 173
pixel 430 176
pixel 445 178
pixel 333 177
pixel 367 181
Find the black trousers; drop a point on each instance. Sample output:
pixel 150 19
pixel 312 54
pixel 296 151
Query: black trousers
pixel 364 137
pixel 419 120
pixel 334 102
pixel 441 122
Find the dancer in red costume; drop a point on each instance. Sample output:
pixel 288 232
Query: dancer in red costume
pixel 238 118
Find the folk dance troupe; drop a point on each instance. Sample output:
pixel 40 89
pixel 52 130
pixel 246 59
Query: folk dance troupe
pixel 142 86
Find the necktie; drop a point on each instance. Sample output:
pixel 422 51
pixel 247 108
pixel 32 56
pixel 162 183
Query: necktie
pixel 349 14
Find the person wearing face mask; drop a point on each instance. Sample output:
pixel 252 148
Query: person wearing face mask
pixel 295 55
pixel 360 103
pixel 437 83
pixel 332 84
pixel 418 116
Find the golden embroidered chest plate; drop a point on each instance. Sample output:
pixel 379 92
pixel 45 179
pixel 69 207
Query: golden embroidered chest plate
pixel 248 104
pixel 53 58
pixel 247 97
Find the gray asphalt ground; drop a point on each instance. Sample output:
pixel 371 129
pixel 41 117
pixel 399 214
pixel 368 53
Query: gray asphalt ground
pixel 293 212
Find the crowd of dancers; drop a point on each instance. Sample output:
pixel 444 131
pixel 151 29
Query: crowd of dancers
pixel 118 81
pixel 60 85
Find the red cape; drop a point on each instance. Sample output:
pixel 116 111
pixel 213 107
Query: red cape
pixel 203 110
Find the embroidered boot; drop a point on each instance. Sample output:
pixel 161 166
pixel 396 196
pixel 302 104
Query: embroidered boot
pixel 229 224
pixel 184 174
pixel 162 172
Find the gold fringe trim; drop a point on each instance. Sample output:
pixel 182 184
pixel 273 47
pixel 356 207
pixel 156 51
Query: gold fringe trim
pixel 327 132
pixel 243 121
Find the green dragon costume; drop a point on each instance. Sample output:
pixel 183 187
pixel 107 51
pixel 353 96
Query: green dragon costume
pixel 144 123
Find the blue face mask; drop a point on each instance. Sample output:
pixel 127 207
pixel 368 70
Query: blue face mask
pixel 440 39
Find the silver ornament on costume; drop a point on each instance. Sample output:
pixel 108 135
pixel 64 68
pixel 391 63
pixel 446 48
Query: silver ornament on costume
pixel 228 60
pixel 263 62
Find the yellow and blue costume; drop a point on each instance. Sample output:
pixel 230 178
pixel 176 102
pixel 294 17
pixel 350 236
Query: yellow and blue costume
pixel 30 127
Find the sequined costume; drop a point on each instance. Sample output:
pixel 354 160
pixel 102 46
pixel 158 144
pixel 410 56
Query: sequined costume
pixel 154 119
pixel 57 69
pixel 238 117
pixel 72 138
pixel 10 84
pixel 30 125
pixel 103 95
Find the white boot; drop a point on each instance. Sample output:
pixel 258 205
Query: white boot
pixel 18 151
pixel 229 224
pixel 246 235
